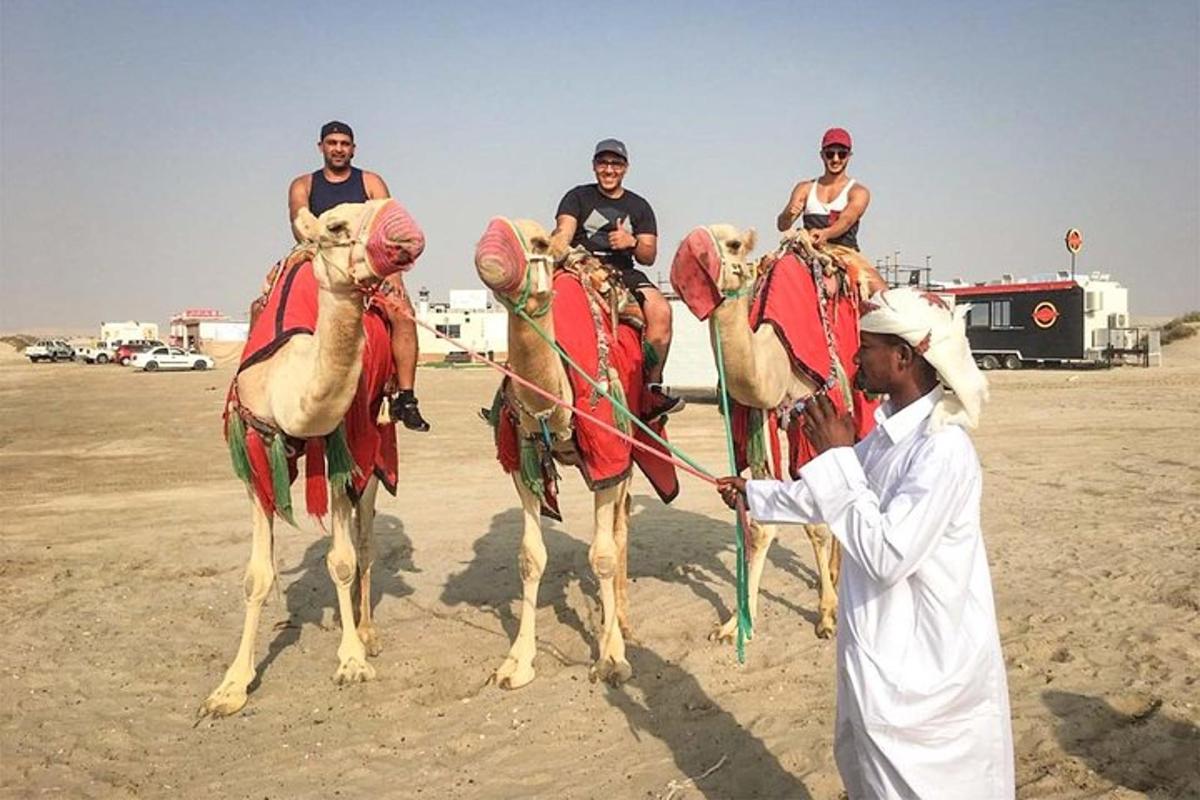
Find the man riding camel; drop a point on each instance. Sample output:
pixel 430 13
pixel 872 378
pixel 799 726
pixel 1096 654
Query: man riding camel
pixel 830 208
pixel 619 227
pixel 335 183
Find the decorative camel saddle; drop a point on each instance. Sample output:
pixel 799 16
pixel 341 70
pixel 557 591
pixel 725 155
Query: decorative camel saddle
pixel 812 302
pixel 364 444
pixel 599 325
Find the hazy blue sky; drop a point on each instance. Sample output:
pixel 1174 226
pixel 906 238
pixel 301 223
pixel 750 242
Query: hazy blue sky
pixel 146 148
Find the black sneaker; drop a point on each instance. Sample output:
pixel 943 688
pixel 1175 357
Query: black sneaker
pixel 662 403
pixel 405 411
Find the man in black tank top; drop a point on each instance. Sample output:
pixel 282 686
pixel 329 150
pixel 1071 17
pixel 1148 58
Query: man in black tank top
pixel 336 183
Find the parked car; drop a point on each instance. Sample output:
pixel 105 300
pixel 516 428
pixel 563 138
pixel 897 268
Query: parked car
pixel 127 349
pixel 49 350
pixel 169 358
pixel 100 354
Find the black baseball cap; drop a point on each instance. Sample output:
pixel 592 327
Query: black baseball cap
pixel 336 127
pixel 614 146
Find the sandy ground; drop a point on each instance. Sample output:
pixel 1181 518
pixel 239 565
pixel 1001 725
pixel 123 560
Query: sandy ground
pixel 125 534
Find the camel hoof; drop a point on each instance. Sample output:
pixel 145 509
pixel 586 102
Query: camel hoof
pixel 512 674
pixel 354 670
pixel 229 698
pixel 826 630
pixel 726 633
pixel 611 671
pixel 370 640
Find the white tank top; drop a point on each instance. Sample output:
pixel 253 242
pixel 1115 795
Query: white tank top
pixel 814 205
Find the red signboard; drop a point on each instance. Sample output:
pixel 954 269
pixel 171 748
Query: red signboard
pixel 1045 314
pixel 1074 240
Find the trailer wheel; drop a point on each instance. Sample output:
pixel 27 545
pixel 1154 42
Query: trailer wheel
pixel 1012 362
pixel 989 362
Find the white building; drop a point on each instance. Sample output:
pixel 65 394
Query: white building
pixel 194 327
pixel 469 319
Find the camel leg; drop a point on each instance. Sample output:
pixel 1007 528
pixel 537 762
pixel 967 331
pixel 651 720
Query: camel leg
pixel 517 669
pixel 364 530
pixel 611 666
pixel 758 542
pixel 342 562
pixel 230 696
pixel 822 542
pixel 621 534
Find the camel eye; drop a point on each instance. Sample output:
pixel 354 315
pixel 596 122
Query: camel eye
pixel 734 246
pixel 540 244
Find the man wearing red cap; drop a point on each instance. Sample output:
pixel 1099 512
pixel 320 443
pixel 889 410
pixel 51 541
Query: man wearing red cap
pixel 338 182
pixel 830 208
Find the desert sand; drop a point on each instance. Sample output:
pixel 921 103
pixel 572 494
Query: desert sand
pixel 125 535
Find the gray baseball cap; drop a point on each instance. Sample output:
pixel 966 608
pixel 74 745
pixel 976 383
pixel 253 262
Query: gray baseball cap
pixel 614 146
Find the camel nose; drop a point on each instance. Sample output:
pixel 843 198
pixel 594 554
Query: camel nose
pixel 499 257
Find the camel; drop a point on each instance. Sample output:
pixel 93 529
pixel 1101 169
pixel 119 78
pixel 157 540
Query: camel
pixel 303 390
pixel 760 374
pixel 513 259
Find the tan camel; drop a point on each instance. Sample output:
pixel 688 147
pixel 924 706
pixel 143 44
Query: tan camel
pixel 304 390
pixel 760 374
pixel 519 268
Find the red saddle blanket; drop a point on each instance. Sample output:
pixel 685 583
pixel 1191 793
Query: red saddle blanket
pixel 291 309
pixel 788 300
pixel 605 458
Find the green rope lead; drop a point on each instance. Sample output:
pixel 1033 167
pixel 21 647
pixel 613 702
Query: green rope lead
pixel 617 404
pixel 744 625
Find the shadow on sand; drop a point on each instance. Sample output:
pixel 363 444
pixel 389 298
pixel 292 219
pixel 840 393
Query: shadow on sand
pixel 1138 747
pixel 308 596
pixel 667 544
pixel 686 549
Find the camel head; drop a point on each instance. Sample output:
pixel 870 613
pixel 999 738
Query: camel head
pixel 359 244
pixel 513 260
pixel 712 264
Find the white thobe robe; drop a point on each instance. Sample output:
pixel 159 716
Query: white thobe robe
pixel 922 697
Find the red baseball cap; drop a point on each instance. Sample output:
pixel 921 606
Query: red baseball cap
pixel 837 136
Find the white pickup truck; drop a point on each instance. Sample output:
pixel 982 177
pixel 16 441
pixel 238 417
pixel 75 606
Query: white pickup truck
pixel 49 350
pixel 100 354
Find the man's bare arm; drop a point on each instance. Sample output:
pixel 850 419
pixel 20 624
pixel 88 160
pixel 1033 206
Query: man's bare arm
pixel 297 199
pixel 794 207
pixel 376 188
pixel 646 249
pixel 564 231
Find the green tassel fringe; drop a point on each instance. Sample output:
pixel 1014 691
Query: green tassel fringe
pixel 617 392
pixel 756 444
pixel 649 356
pixel 339 463
pixel 281 479
pixel 236 436
pixel 531 468
pixel 493 418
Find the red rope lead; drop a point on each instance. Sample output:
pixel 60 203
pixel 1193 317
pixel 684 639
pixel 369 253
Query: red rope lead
pixel 558 401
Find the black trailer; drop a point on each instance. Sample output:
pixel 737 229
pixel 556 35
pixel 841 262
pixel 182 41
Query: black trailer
pixel 1013 323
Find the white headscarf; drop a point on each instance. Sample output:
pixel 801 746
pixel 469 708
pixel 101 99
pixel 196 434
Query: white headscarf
pixel 938 332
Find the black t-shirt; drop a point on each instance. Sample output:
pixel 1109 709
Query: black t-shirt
pixel 597 216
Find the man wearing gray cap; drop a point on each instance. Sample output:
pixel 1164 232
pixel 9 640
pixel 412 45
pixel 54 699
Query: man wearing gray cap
pixel 338 182
pixel 619 227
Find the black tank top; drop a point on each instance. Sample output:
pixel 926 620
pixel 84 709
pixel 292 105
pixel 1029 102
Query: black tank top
pixel 325 195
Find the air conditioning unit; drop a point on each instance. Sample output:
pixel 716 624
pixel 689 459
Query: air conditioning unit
pixel 1118 320
pixel 1093 301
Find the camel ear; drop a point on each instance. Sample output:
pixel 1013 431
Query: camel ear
pixel 749 239
pixel 305 226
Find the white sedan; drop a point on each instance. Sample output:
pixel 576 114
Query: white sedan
pixel 169 358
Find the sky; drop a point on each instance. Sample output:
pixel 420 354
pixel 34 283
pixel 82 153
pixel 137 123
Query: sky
pixel 146 148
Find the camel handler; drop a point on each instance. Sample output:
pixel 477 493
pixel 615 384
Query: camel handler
pixel 335 183
pixel 922 696
pixel 830 208
pixel 619 227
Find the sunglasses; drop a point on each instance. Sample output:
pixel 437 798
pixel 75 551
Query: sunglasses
pixel 830 153
pixel 610 163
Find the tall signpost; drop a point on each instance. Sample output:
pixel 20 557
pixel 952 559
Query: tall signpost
pixel 1074 241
